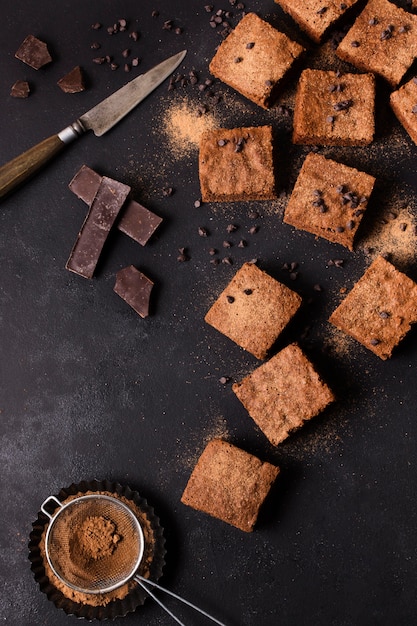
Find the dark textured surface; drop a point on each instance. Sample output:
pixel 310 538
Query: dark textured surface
pixel 90 390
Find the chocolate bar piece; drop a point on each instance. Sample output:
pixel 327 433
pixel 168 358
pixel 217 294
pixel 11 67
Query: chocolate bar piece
pixel 135 221
pixel 73 82
pixel 135 289
pixel 33 52
pixel 20 89
pixel 103 212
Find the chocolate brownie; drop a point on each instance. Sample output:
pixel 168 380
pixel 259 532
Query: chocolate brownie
pixel 283 393
pixel 379 310
pixel 253 310
pixel 316 17
pixel 254 58
pixel 383 40
pixel 333 109
pixel 237 164
pixel 329 199
pixel 404 104
pixel 230 484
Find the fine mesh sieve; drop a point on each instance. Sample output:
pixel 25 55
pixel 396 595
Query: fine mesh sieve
pixel 95 544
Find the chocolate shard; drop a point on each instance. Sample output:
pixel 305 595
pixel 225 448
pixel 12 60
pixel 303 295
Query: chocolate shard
pixel 134 288
pixel 135 220
pixel 33 52
pixel 103 212
pixel 73 82
pixel 20 89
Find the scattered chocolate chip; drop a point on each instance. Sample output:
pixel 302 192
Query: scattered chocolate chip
pixel 321 11
pixel 183 256
pixel 224 380
pixel 95 45
pixel 293 266
pixel 283 110
pixel 231 228
pixel 350 225
pixel 197 204
pixel 317 287
pixel 253 215
pixel 99 60
pixel 341 189
pixel 168 25
pixel 212 251
pixel 126 53
pixel 113 66
pixel 214 261
pixel 373 21
pixel 338 262
pixel 20 89
pixel 330 119
pixel 355 44
pixel 203 232
pixel 227 244
pixel 227 260
pixel 134 35
pixel 96 26
pixel 242 243
pixel 403 227
pixel 167 191
pixel 250 45
pixel 208 8
pixel 222 142
pixel 294 275
pixel 386 34
pixel 248 292
pixel 155 13
pixel 375 342
pixel 127 67
pixel 135 61
pixel 253 230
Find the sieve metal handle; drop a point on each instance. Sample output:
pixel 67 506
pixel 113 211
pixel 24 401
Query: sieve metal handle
pixel 144 582
pixel 47 501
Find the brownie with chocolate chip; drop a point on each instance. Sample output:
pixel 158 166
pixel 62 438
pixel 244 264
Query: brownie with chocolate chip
pixel 333 109
pixel 404 104
pixel 382 40
pixel 230 484
pixel 283 393
pixel 254 59
pixel 237 164
pixel 329 199
pixel 380 309
pixel 316 17
pixel 253 310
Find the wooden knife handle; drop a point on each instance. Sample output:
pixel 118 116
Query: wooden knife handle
pixel 22 167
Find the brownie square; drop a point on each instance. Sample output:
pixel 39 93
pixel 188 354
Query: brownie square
pixel 253 310
pixel 379 310
pixel 254 58
pixel 329 199
pixel 404 104
pixel 383 40
pixel 237 164
pixel 283 393
pixel 230 484
pixel 315 17
pixel 334 110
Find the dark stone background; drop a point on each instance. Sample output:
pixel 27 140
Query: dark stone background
pixel 90 390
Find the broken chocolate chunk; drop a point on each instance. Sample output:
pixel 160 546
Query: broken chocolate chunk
pixel 135 289
pixel 20 89
pixel 33 52
pixel 135 221
pixel 103 212
pixel 73 82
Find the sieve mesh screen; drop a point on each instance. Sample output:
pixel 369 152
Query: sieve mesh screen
pixel 94 544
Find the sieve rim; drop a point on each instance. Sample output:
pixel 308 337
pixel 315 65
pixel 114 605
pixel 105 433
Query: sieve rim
pixel 63 507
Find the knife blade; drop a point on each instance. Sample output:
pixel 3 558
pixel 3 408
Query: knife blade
pixel 99 119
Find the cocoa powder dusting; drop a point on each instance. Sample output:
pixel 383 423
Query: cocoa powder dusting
pixel 96 538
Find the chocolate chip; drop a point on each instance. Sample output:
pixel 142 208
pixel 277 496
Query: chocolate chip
pixel 222 142
pixel 386 34
pixel 224 380
pixel 373 21
pixel 230 299
pixel 167 191
pixel 317 287
pixel 338 262
pixel 242 243
pixel 253 230
pixel 127 67
pixel 227 244
pixel 202 231
pixel 350 225
pixel 414 109
pixel 208 8
pixel 227 260
pixel 375 342
pixel 197 204
pixel 355 44
pixel 293 266
pixel 95 46
pixel 212 251
pixel 343 105
pixel 248 292
pixel 250 45
pixel 384 314
pixel 114 66
pixel 238 59
pixel 134 35
pixel 126 53
pixel 253 215
pixel 96 26
pixel 214 261
pixel 403 227
pixel 231 228
pixel 294 275
pixel 341 189
pixel 321 11
pixel 343 6
pixel 99 60
pixel 330 119
pixel 269 83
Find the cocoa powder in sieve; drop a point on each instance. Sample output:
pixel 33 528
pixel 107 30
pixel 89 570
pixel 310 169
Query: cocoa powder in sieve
pixel 90 545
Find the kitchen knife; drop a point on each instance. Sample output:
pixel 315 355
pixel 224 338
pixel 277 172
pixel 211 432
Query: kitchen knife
pixel 99 119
